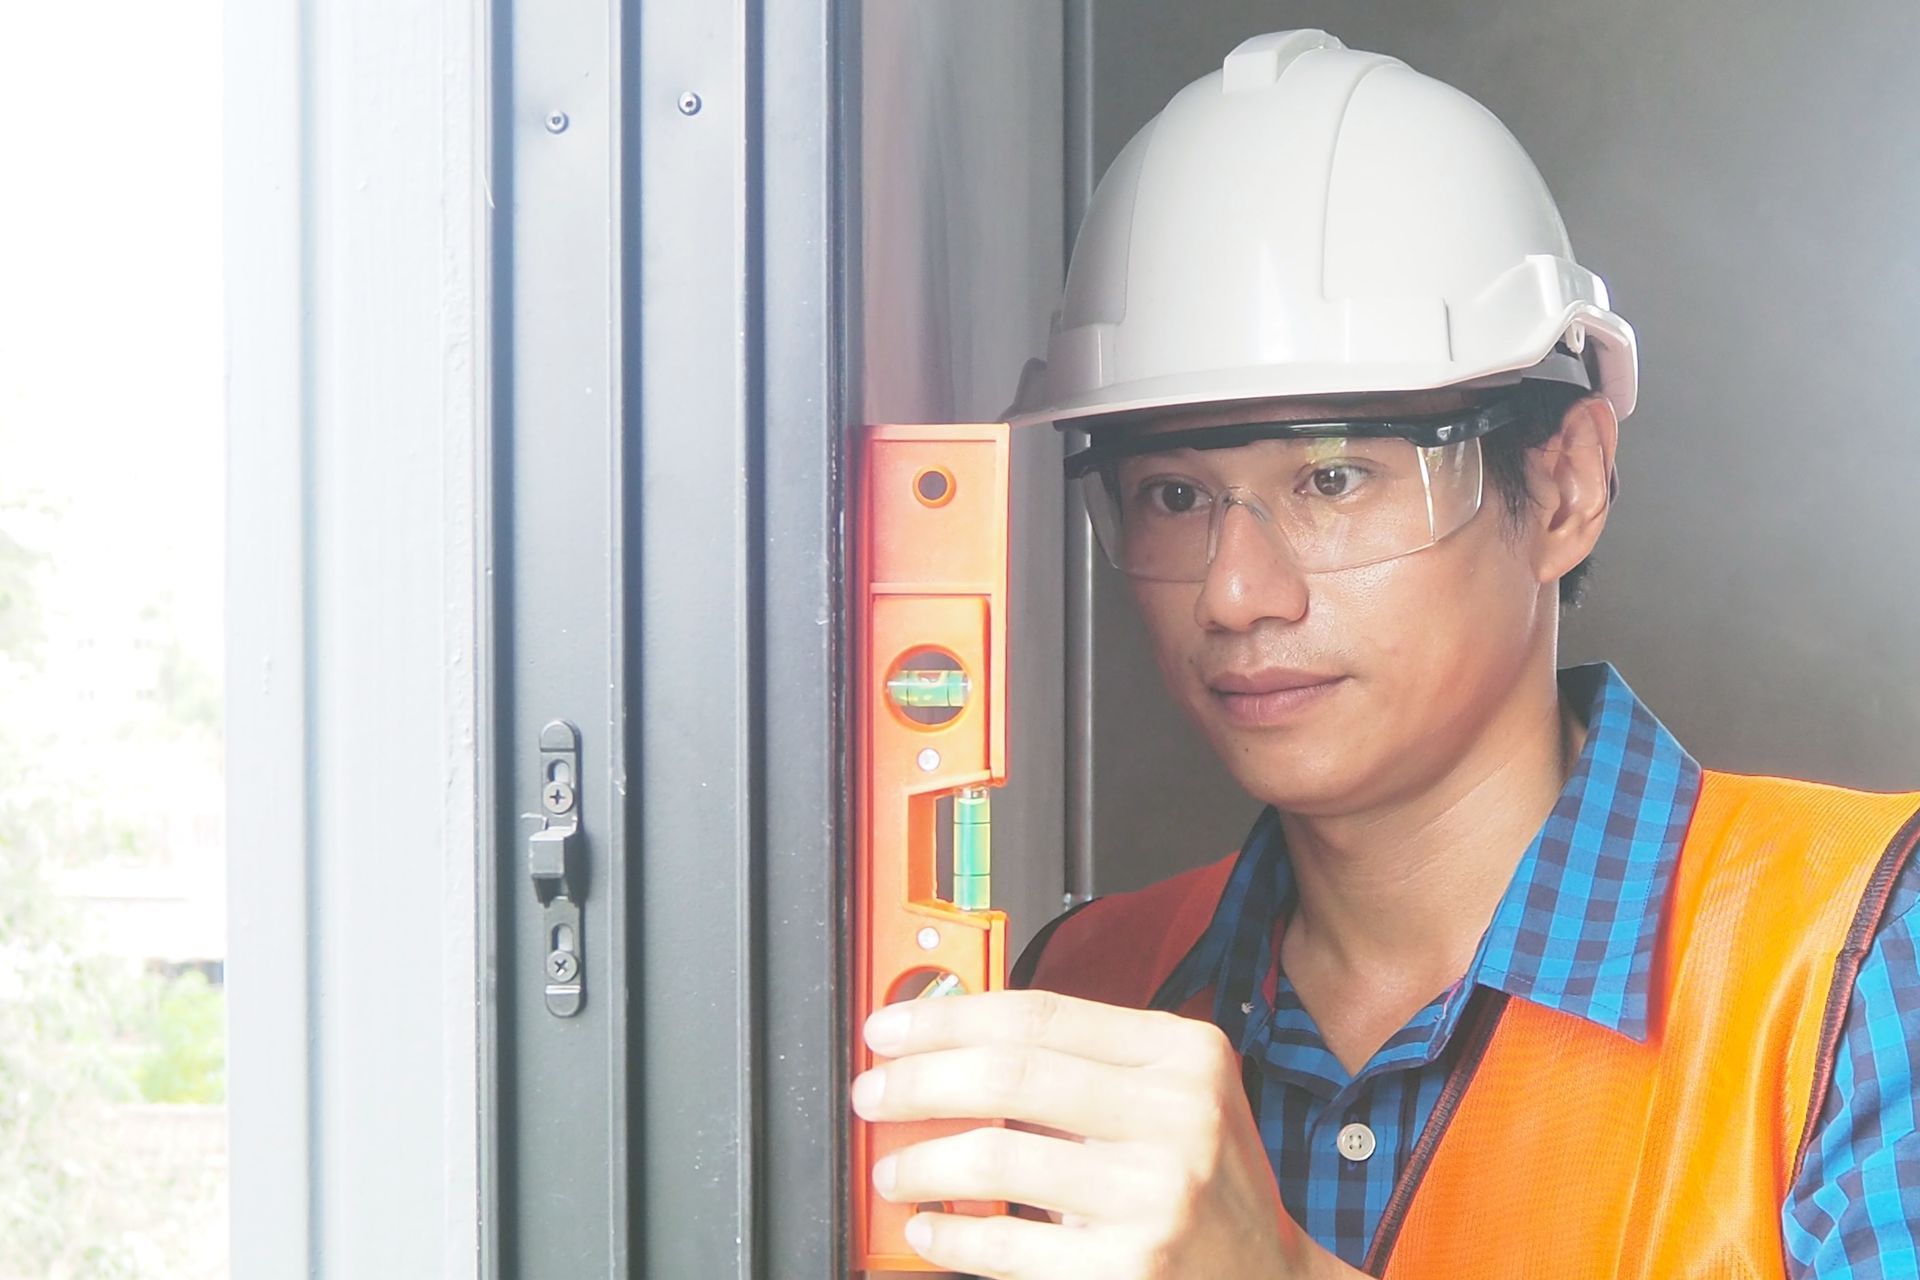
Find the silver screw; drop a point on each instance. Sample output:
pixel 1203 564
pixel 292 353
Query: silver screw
pixel 556 122
pixel 558 797
pixel 928 938
pixel 561 966
pixel 929 760
pixel 689 103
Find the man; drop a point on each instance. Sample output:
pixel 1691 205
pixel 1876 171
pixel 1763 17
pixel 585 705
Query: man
pixel 1502 983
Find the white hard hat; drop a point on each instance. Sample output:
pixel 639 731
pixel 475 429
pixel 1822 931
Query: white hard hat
pixel 1311 220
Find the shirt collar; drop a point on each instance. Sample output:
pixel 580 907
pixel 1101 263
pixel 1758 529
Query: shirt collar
pixel 1577 927
pixel 1578 924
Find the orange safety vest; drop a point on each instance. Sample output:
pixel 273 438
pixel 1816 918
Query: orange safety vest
pixel 1559 1148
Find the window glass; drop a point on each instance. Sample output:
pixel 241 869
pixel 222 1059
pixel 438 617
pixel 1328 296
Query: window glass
pixel 112 911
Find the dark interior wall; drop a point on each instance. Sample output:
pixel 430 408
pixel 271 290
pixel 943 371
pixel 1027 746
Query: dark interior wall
pixel 1747 180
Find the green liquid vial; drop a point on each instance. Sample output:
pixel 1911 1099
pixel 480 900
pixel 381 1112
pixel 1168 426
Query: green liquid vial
pixel 913 688
pixel 972 849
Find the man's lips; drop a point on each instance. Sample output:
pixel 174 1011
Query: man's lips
pixel 1268 680
pixel 1269 697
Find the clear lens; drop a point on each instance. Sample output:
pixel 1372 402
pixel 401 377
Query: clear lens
pixel 1327 504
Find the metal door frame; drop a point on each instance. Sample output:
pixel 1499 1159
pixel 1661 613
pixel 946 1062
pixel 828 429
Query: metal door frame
pixel 672 333
pixel 545 322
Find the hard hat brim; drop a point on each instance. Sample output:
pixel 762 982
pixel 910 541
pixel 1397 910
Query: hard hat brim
pixel 1602 342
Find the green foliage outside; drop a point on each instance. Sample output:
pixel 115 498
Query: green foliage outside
pixel 187 1057
pixel 87 1178
pixel 19 605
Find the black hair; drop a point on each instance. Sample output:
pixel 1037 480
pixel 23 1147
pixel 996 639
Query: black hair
pixel 1504 456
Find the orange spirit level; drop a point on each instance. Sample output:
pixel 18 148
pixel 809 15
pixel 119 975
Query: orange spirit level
pixel 930 705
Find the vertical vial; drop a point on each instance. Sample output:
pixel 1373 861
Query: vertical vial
pixel 972 849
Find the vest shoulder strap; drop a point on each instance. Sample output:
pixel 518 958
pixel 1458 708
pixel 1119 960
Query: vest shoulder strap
pixel 1119 949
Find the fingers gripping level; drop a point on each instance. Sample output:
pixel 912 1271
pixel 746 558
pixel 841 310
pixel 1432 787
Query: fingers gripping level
pixel 930 706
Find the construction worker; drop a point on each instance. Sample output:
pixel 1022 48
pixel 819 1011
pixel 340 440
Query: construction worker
pixel 1502 982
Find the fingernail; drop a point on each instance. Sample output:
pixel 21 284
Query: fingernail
pixel 867 1088
pixel 883 1174
pixel 919 1234
pixel 887 1029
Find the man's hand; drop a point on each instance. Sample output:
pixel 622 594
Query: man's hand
pixel 1157 1169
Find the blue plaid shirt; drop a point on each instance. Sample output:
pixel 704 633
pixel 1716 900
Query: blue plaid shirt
pixel 1575 932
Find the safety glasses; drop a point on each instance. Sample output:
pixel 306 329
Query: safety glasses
pixel 1328 495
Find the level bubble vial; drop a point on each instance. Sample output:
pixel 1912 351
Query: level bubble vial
pixel 929 688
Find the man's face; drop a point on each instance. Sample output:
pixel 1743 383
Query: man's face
pixel 1343 691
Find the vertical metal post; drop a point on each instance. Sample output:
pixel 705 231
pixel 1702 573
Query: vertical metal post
pixel 695 405
pixel 1078 159
pixel 672 329
pixel 355 282
pixel 807 67
pixel 561 506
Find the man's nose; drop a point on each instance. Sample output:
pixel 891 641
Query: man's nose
pixel 1253 574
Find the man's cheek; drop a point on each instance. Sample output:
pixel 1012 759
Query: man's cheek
pixel 1166 610
pixel 1380 613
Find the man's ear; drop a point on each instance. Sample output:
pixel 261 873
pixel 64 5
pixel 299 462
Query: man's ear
pixel 1573 484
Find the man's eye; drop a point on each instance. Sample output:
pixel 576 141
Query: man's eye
pixel 1336 480
pixel 1173 497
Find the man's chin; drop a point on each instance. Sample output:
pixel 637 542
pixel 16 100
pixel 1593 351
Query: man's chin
pixel 1295 773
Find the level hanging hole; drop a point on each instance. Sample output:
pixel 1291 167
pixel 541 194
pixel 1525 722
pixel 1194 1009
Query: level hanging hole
pixel 934 487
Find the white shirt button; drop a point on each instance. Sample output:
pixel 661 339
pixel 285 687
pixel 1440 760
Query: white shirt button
pixel 1356 1142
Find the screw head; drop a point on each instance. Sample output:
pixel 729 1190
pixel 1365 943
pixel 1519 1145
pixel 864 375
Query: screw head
pixel 929 760
pixel 690 103
pixel 928 938
pixel 557 798
pixel 561 966
pixel 556 122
